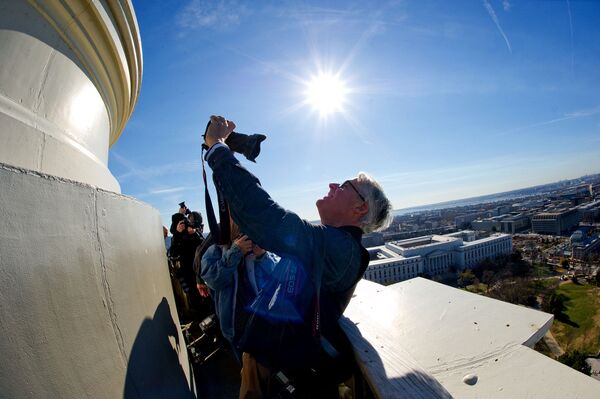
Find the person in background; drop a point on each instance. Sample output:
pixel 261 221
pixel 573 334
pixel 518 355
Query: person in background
pixel 187 237
pixel 167 239
pixel 178 217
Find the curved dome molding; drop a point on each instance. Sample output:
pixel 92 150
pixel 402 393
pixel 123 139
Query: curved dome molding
pixel 104 36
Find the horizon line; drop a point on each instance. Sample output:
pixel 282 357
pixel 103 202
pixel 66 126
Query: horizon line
pixel 491 194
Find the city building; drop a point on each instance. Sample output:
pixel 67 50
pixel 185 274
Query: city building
pixel 464 220
pixel 470 254
pixel 491 225
pixel 506 223
pixel 501 210
pixel 529 204
pixel 465 235
pixel 556 223
pixel 583 245
pixel 387 267
pixel 373 239
pixel 433 255
pixel 590 211
pixel 516 223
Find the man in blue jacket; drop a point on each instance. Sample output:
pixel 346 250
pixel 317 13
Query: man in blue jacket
pixel 330 255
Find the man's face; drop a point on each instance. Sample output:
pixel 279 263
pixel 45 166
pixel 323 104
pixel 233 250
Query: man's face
pixel 339 206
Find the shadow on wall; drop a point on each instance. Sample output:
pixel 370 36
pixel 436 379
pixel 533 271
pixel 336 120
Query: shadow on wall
pixel 153 370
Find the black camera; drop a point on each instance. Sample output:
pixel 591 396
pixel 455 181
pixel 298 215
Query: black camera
pixel 247 145
pixel 182 205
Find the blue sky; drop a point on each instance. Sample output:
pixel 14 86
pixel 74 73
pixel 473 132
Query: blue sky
pixel 445 99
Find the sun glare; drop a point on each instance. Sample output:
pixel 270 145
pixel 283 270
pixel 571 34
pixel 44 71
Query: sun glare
pixel 326 93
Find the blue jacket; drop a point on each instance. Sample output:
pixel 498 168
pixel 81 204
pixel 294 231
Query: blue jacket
pixel 332 258
pixel 219 270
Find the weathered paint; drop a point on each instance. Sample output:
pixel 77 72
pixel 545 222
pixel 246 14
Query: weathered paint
pixel 86 302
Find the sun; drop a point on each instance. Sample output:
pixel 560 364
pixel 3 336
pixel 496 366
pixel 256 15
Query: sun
pixel 326 93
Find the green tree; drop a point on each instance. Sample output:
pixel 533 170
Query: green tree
pixel 515 291
pixel 466 277
pixel 489 278
pixel 554 303
pixel 516 255
pixel 576 360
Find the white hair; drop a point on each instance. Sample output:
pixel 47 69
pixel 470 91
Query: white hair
pixel 379 215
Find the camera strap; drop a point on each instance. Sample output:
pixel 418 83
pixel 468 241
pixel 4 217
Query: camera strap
pixel 220 231
pixel 247 145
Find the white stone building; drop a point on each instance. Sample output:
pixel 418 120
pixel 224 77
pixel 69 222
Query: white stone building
pixel 434 255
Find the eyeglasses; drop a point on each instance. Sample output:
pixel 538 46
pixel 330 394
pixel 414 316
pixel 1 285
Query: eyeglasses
pixel 349 183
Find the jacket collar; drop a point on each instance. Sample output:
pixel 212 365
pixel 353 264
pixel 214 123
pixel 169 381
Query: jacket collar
pixel 355 232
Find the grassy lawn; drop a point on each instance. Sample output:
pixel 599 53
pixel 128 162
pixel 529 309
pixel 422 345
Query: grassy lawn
pixel 476 289
pixel 580 328
pixel 545 283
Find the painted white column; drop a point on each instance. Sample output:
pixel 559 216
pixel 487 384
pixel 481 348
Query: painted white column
pixel 86 303
pixel 69 79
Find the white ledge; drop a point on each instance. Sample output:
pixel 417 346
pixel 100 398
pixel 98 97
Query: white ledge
pixel 419 338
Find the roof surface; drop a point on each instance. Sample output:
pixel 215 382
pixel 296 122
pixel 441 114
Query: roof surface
pixel 418 338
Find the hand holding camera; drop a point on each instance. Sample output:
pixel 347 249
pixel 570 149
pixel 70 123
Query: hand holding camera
pixel 244 243
pixel 183 209
pixel 218 130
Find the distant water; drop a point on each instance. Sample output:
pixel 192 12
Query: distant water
pixel 458 203
pixel 504 196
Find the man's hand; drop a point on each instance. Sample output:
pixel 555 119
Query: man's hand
pixel 258 251
pixel 203 290
pixel 244 243
pixel 218 131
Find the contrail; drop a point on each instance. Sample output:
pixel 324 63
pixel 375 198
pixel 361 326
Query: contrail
pixel 571 32
pixel 571 115
pixel 490 11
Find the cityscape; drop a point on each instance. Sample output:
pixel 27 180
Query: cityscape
pixel 536 247
pixel 472 126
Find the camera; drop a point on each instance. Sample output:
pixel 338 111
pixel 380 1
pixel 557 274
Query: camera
pixel 247 145
pixel 182 205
